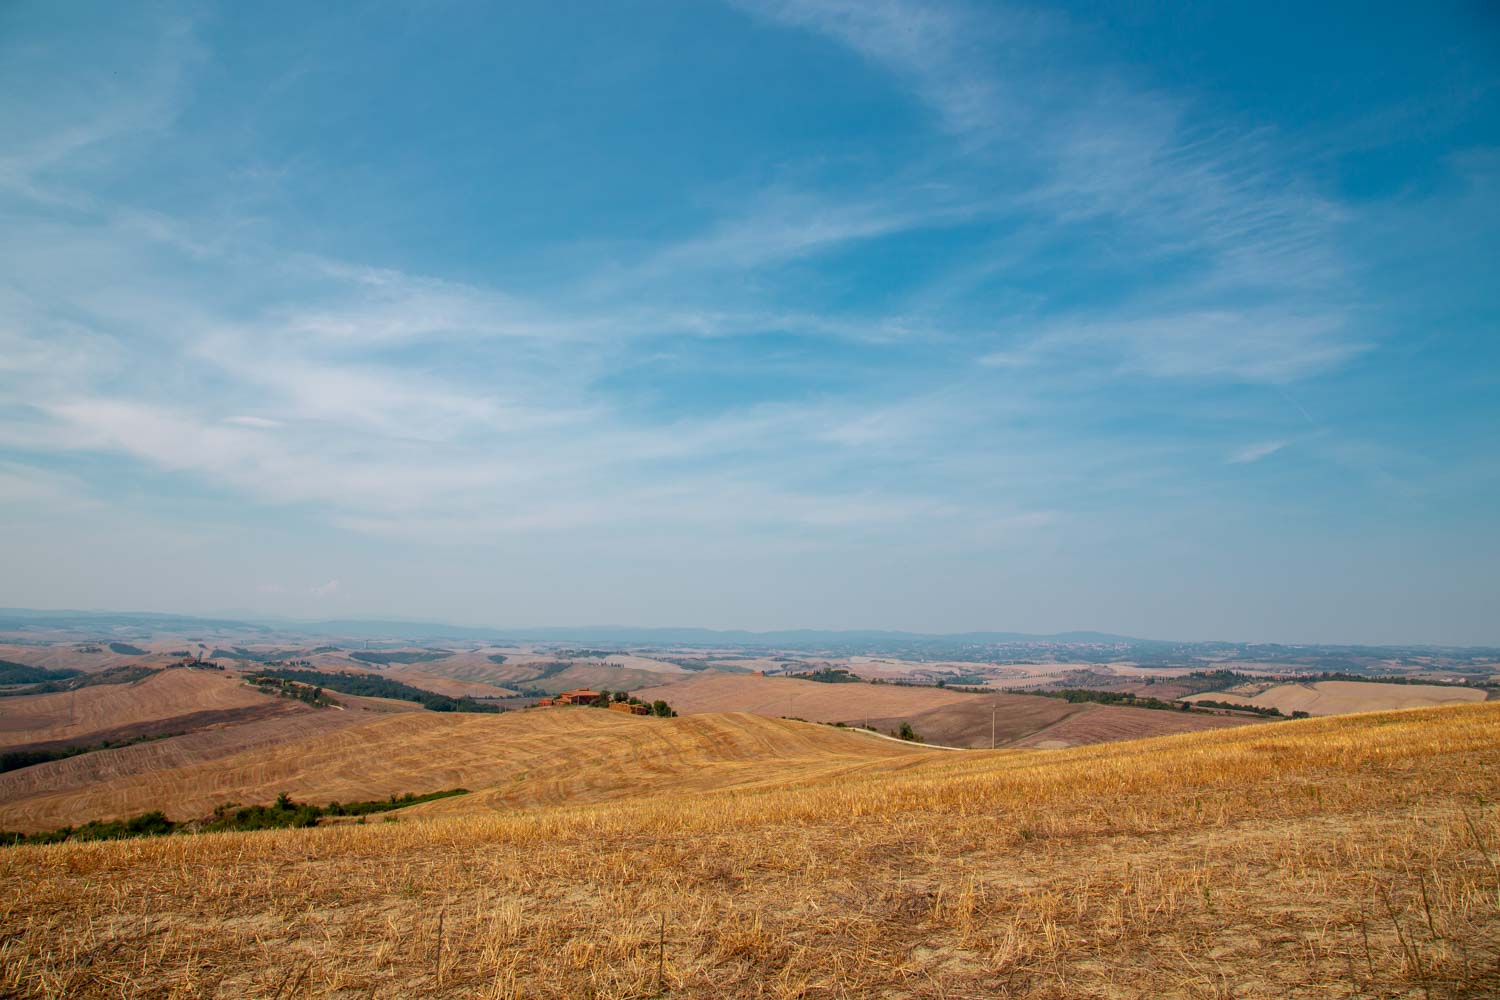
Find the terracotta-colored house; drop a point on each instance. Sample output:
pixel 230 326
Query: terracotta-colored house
pixel 621 706
pixel 578 696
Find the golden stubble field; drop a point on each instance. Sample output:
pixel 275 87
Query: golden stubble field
pixel 512 760
pixel 1342 697
pixel 1349 857
pixel 77 715
pixel 941 716
pixel 791 697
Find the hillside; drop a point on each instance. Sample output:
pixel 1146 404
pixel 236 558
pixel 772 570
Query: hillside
pixel 449 686
pixel 535 671
pixel 597 675
pixel 1342 697
pixel 90 770
pixel 414 676
pixel 788 697
pixel 1047 723
pixel 939 715
pixel 175 700
pixel 1324 858
pixel 513 759
pixel 1116 723
pixel 88 657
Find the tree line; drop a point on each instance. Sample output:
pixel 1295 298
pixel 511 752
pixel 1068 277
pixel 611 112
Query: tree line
pixel 19 757
pixel 372 686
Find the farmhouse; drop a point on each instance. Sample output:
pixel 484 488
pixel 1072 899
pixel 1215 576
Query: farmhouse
pixel 578 696
pixel 622 706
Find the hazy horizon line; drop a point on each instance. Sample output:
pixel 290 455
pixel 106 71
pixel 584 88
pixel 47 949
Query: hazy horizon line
pixel 1078 635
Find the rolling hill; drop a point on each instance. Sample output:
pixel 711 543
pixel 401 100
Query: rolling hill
pixel 1342 857
pixel 173 700
pixel 792 698
pixel 539 672
pixel 1047 723
pixel 940 716
pixel 512 760
pixel 1342 697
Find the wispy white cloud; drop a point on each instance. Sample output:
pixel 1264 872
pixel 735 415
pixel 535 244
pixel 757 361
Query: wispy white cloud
pixel 25 484
pixel 940 50
pixel 414 405
pixel 1213 205
pixel 78 124
pixel 1273 345
pixel 1255 452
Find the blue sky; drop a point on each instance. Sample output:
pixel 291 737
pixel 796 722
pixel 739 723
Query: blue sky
pixel 797 313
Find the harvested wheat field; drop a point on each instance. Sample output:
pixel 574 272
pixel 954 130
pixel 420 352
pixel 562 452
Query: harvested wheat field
pixel 90 658
pixel 789 697
pixel 509 760
pixel 195 748
pixel 941 716
pixel 1343 697
pixel 1113 723
pixel 531 670
pixel 1047 723
pixel 111 710
pixel 438 684
pixel 414 677
pixel 599 675
pixel 1350 857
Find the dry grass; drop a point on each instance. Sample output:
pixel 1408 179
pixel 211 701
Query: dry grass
pixel 19 788
pixel 1116 723
pixel 1034 722
pixel 941 716
pixel 520 670
pixel 515 759
pixel 811 700
pixel 75 715
pixel 413 675
pixel 1343 697
pixel 1351 857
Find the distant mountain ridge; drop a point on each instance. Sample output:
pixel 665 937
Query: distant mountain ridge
pixel 18 618
pixel 117 624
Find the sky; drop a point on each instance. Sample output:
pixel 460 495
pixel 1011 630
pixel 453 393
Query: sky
pixel 1177 321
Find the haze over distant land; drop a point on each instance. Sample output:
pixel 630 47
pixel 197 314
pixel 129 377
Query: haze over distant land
pixel 50 627
pixel 761 315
